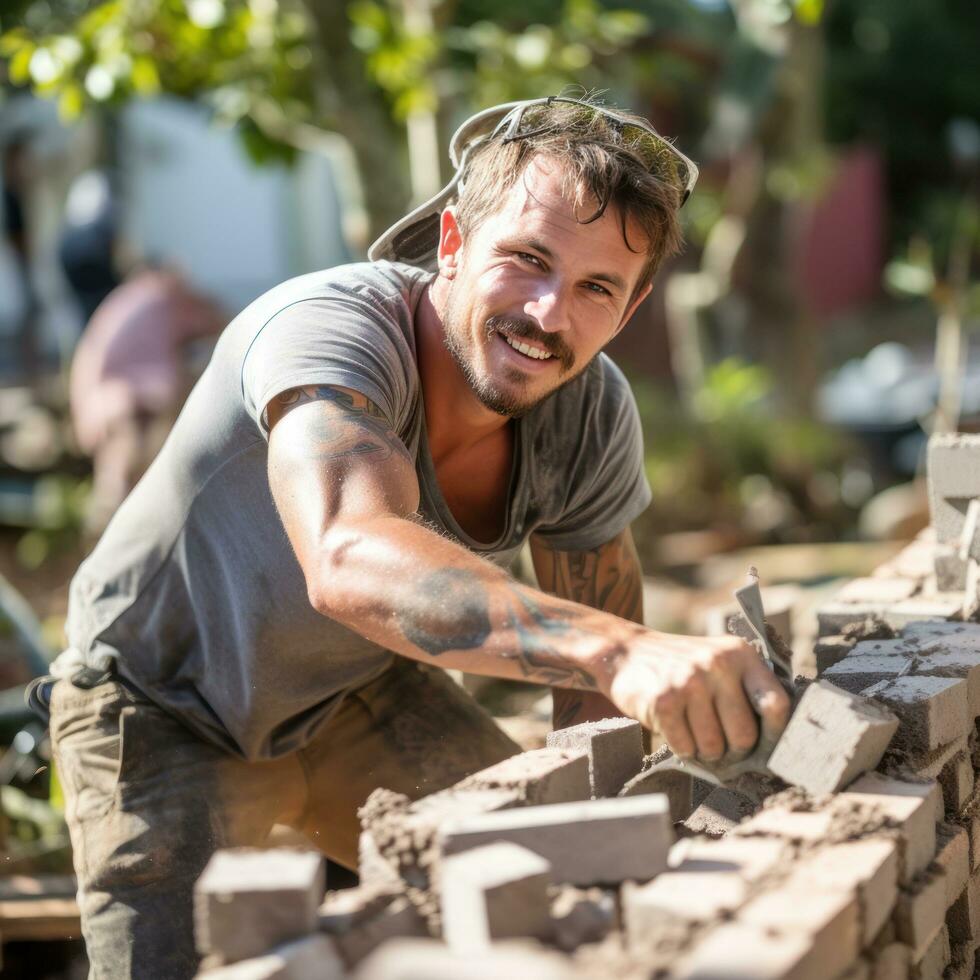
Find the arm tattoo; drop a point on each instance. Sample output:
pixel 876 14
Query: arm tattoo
pixel 450 610
pixel 359 429
pixel 607 577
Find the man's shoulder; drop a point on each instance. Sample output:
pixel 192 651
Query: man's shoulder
pixel 387 282
pixel 601 385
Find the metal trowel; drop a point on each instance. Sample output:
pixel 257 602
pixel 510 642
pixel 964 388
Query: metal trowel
pixel 724 772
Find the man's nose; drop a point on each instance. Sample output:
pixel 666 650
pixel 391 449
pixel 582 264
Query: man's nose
pixel 549 308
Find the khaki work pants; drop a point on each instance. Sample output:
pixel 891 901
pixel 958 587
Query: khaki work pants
pixel 148 801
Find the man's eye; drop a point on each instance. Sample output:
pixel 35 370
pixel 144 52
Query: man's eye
pixel 597 289
pixel 527 257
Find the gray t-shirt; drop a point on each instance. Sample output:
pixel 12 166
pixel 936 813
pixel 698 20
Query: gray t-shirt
pixel 194 586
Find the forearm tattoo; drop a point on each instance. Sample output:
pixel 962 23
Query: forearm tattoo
pixel 359 429
pixel 450 610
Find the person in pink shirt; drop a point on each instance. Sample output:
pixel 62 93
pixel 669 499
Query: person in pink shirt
pixel 130 375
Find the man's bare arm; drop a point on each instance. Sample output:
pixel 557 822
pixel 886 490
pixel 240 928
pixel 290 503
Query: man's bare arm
pixel 348 496
pixel 607 577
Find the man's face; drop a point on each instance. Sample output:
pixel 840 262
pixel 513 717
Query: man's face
pixel 534 294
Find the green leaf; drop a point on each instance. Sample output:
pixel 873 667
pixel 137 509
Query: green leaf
pixel 20 64
pixel 145 78
pixel 71 102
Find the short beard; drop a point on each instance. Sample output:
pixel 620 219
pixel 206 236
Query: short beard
pixel 487 393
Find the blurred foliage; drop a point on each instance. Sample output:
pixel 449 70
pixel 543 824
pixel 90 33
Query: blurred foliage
pixel 60 505
pixel 720 464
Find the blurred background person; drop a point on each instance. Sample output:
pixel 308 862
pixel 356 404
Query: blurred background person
pixel 131 371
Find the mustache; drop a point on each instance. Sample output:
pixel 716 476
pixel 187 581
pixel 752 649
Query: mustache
pixel 521 328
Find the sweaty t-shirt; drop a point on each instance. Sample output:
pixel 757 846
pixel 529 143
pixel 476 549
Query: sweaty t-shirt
pixel 194 587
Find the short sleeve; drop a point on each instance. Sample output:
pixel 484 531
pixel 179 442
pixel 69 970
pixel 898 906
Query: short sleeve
pixel 351 337
pixel 607 481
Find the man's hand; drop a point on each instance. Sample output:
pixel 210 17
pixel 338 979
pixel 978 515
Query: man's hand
pixel 704 695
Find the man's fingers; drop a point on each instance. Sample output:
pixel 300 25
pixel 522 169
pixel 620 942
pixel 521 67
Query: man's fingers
pixel 769 699
pixel 738 719
pixel 702 719
pixel 670 719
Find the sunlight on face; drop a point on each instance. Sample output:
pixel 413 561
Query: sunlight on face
pixel 538 293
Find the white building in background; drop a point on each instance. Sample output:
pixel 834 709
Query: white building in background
pixel 187 194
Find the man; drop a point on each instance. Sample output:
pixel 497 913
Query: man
pixel 332 517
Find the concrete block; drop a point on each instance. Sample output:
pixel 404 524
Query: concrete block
pixel 579 916
pixel 920 911
pixel 962 962
pixel 933 710
pixel 426 959
pixel 950 633
pixel 706 880
pixel 828 918
pixel 831 739
pixel 614 747
pixel 836 617
pixel 372 866
pixel 543 776
pixel 857 672
pixel 868 867
pixel 910 807
pixel 950 568
pixel 499 891
pixel 933 964
pixel 964 913
pixel 801 826
pixel 938 605
pixel 677 786
pixel 828 650
pixel 957 782
pixel 312 956
pixel 248 901
pixel 744 951
pixel 722 811
pixel 603 841
pixel 877 590
pixel 953 467
pixel 359 919
pixel 892 962
pixel 953 857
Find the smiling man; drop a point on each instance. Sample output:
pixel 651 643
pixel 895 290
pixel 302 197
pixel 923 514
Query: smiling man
pixel 257 638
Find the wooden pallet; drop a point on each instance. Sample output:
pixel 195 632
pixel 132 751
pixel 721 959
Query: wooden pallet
pixel 38 907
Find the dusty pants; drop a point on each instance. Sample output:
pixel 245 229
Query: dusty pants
pixel 148 801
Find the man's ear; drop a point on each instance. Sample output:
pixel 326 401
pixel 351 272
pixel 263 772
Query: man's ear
pixel 450 243
pixel 634 303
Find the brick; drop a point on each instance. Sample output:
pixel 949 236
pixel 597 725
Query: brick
pixel 953 467
pixel 614 747
pixel 868 867
pixel 582 916
pixel 678 786
pixel 722 810
pixel 744 951
pixel 422 959
pixel 964 913
pixel 857 672
pixel 953 856
pixel 543 776
pixel 957 782
pixel 829 919
pixel 359 919
pixel 706 880
pixel 910 807
pixel 312 956
pixel 875 590
pixel 248 901
pixel 804 826
pixel 603 841
pixel 933 964
pixel 962 962
pixel 828 650
pixel 499 891
pixel 892 962
pixel 921 911
pixel 933 710
pixel 831 739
